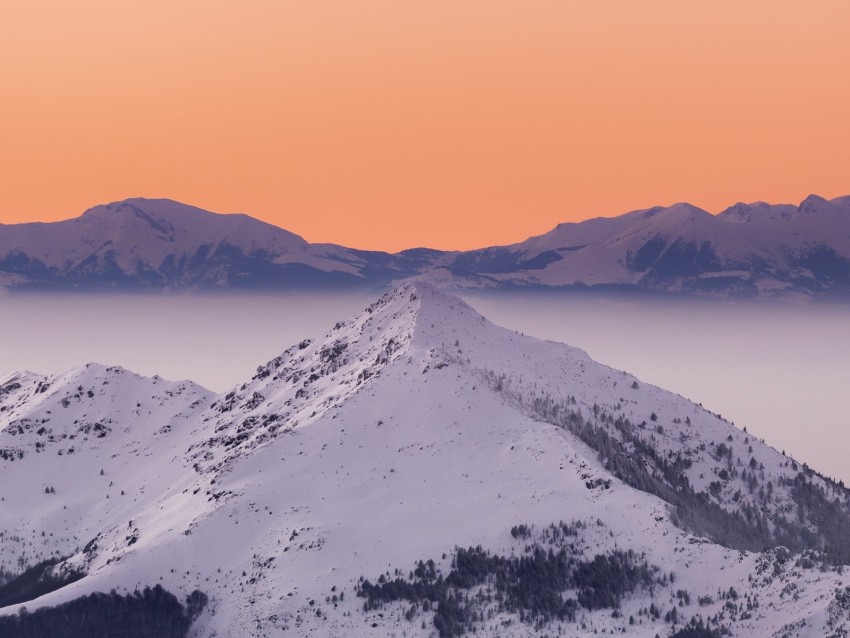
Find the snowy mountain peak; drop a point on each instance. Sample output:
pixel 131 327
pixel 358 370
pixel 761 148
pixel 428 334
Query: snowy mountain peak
pixel 92 393
pixel 814 204
pixel 130 208
pixel 432 305
pixel 325 494
pixel 739 212
pixel 159 209
pixel 680 211
pixel 415 323
pixel 758 212
pixel 174 221
pixel 162 244
pixel 310 378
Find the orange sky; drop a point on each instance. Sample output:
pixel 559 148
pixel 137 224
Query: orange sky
pixel 448 123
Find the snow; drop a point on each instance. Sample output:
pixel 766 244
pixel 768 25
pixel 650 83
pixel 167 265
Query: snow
pixel 405 432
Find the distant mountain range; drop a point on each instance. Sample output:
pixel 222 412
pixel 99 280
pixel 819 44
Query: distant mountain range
pixel 754 250
pixel 418 471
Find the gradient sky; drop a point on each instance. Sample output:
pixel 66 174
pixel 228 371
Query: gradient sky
pixel 392 123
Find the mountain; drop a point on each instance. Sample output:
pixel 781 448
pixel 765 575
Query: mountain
pixel 156 244
pixel 748 251
pixel 418 471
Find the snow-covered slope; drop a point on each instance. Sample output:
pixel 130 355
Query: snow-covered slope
pixel 82 452
pixel 414 429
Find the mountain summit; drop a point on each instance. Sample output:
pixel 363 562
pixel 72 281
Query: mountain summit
pixel 753 250
pixel 416 471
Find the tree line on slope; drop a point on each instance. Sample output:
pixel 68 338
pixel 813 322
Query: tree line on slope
pixel 36 581
pixel 152 612
pixel 532 586
pixel 822 520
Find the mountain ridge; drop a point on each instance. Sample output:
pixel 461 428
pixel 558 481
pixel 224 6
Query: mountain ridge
pixel 752 250
pixel 407 432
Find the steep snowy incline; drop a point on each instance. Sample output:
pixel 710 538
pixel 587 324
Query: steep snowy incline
pixel 413 430
pixel 309 379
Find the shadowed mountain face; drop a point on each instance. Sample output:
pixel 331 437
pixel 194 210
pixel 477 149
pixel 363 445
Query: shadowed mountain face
pixel 420 471
pixel 749 251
